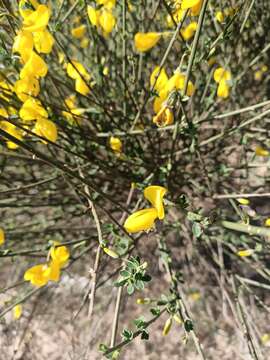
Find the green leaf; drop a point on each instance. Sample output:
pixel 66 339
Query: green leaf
pixel 197 229
pixel 130 289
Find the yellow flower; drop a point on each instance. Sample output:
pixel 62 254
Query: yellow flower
pixel 141 220
pixel 220 16
pixel 23 44
pixel 193 5
pixel 243 201
pixel 177 16
pixel 43 41
pixel 259 151
pixel 74 111
pixel 84 43
pixel 81 86
pixel 116 144
pixel 26 88
pixel 37 20
pixel 46 128
pixel 2 236
pixel 258 75
pixel 264 68
pixel 35 66
pixel 76 70
pixel 25 7
pixel 109 4
pixel 3 113
pixel 222 76
pixel 93 15
pixel 164 117
pixel 167 327
pixel 32 110
pixel 177 82
pixel 13 131
pixel 161 81
pixel 145 41
pixel 105 71
pixel 59 254
pixel 79 31
pixel 265 338
pixel 38 275
pixel 267 222
pixel 245 253
pixel 107 21
pixel 189 31
pixel 155 194
pixel 17 311
pixel 144 301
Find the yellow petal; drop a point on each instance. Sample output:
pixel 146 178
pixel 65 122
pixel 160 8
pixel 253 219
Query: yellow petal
pixel 32 110
pixel 245 253
pixel 159 82
pixel 26 88
pixel 145 41
pixel 107 21
pixel 223 89
pixel 78 32
pixel 76 70
pixel 116 144
pixel 34 67
pixel 23 44
pixel 164 117
pixel 43 41
pixel 219 16
pixel 243 201
pixel 38 275
pixel 2 236
pixel 108 4
pixel 155 194
pixel 46 128
pixel 54 271
pixel 221 74
pixel 37 20
pixel 267 222
pixel 187 4
pixel 93 15
pixel 141 220
pixel 17 311
pixel 259 151
pixel 81 86
pixel 189 31
pixel 24 8
pixel 59 254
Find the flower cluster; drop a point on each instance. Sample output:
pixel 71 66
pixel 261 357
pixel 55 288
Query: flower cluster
pixel 40 275
pixel 164 87
pixel 31 40
pixel 102 16
pixel 144 219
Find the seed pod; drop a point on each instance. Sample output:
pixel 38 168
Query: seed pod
pixel 111 253
pixel 167 327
